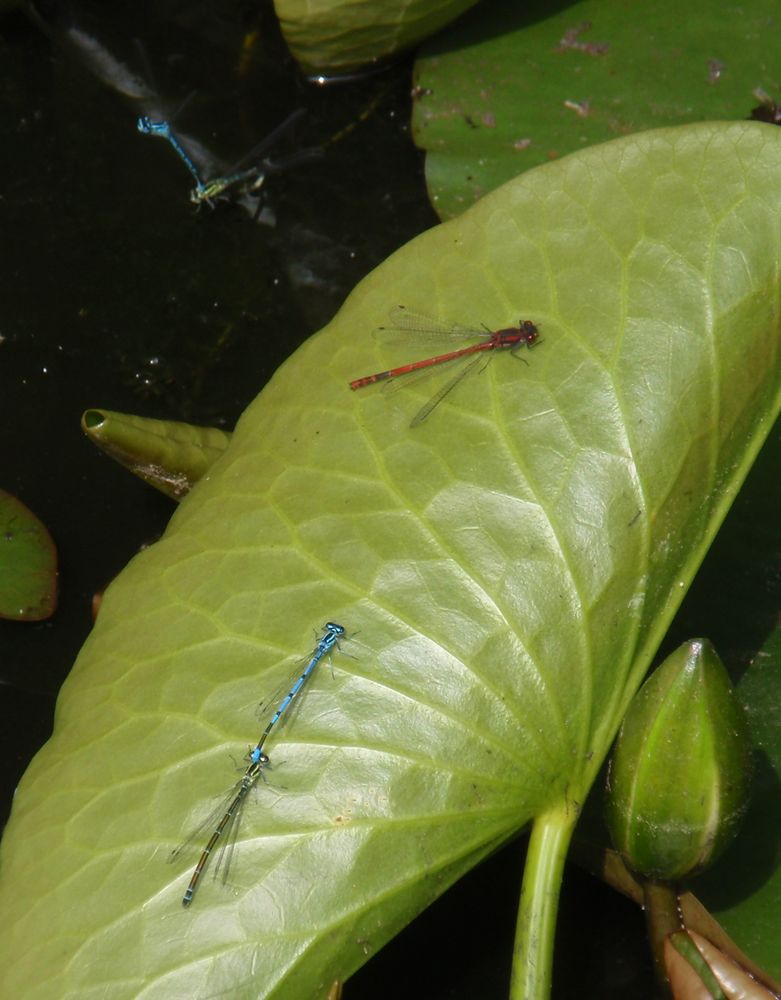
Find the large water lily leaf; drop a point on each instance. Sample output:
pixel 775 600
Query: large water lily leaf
pixel 504 571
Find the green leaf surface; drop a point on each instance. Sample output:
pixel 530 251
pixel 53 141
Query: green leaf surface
pixel 166 454
pixel 336 36
pixel 512 86
pixel 505 572
pixel 28 563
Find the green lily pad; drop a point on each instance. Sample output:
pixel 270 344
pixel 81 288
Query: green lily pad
pixel 28 564
pixel 513 86
pixel 336 36
pixel 505 572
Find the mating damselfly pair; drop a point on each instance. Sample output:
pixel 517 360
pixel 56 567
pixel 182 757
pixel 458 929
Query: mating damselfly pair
pixel 226 817
pixel 246 179
pixel 475 356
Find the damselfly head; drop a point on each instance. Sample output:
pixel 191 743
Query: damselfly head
pixel 529 331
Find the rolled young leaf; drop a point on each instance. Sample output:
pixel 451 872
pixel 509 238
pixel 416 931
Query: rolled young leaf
pixel 166 454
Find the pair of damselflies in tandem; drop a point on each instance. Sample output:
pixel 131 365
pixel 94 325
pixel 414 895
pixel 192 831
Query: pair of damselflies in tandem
pixel 474 357
pixel 227 817
pixel 248 180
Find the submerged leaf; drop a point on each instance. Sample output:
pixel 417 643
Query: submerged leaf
pixel 505 572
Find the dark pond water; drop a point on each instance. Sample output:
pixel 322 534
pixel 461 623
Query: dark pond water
pixel 118 293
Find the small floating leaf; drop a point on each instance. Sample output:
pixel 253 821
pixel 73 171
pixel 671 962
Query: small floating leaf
pixel 28 563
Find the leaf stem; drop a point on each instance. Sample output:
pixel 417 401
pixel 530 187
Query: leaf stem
pixel 536 927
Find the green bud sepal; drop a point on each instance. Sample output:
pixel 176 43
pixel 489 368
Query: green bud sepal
pixel 680 772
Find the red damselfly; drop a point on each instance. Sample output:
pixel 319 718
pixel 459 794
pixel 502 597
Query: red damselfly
pixel 402 319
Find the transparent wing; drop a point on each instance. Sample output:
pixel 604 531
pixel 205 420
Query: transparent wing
pixel 476 364
pixel 265 709
pixel 230 839
pixel 228 813
pixel 224 860
pixel 270 140
pixel 199 835
pixel 404 321
pixel 270 705
pixel 309 155
pixel 252 179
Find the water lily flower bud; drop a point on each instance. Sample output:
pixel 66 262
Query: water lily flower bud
pixel 680 772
